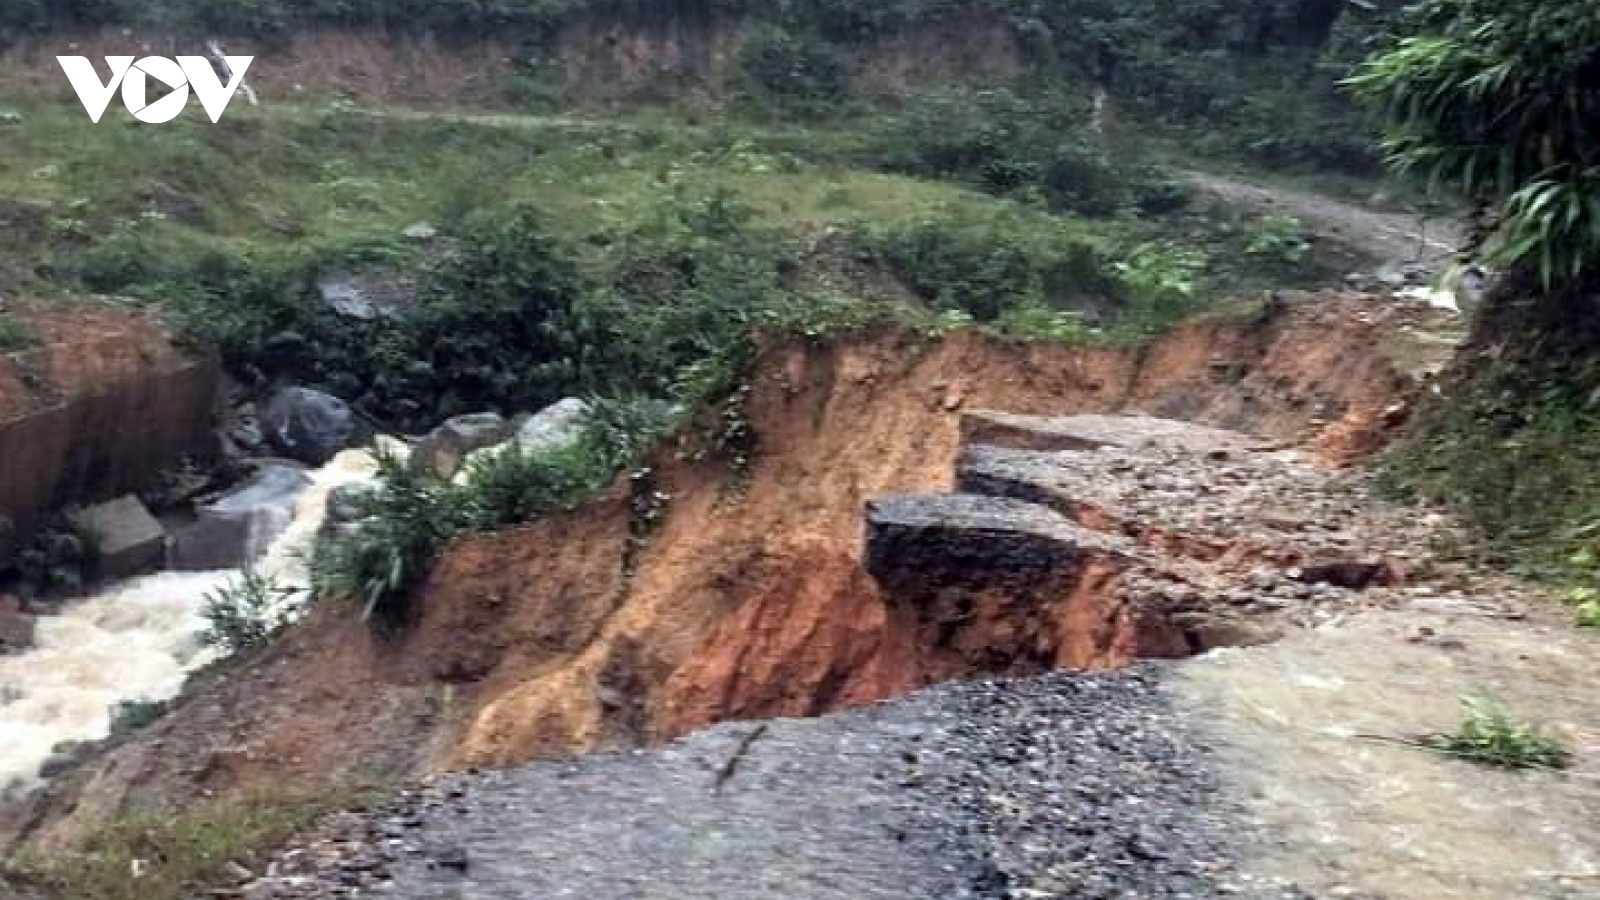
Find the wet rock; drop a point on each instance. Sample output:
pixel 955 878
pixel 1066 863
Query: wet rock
pixel 552 426
pixel 128 540
pixel 310 426
pixel 447 447
pixel 239 525
pixel 58 763
pixel 17 627
pixel 344 504
pixel 368 295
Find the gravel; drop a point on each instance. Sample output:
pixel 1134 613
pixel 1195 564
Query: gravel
pixel 1081 786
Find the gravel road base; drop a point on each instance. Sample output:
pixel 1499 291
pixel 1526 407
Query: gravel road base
pixel 1080 786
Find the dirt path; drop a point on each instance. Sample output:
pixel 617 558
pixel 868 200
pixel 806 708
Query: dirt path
pixel 1386 237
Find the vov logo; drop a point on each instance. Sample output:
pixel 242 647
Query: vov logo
pixel 133 77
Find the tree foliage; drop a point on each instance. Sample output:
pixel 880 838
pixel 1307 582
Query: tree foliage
pixel 1501 99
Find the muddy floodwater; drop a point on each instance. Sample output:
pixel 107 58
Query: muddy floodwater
pixel 137 640
pixel 1352 817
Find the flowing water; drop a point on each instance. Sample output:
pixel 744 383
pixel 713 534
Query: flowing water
pixel 139 640
pixel 1349 816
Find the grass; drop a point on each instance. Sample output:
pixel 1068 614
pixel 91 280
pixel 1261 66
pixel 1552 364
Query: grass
pixel 190 854
pixel 102 197
pixel 13 334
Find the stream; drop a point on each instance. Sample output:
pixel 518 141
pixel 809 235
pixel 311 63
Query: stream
pixel 138 640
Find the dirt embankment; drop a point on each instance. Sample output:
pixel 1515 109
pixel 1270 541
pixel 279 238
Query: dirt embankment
pixel 584 61
pixel 564 637
pixel 98 402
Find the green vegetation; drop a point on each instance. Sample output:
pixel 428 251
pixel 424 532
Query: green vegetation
pixel 1488 735
pixel 13 334
pixel 409 517
pixel 132 715
pixel 166 856
pixel 246 614
pixel 1253 77
pixel 1498 99
pixel 639 253
pixel 56 559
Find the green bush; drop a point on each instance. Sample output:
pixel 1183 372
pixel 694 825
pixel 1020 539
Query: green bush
pixel 1162 282
pixel 13 334
pixel 411 515
pixel 791 71
pixel 502 322
pixel 985 267
pixel 1005 143
pixel 1497 98
pixel 246 614
pixel 60 558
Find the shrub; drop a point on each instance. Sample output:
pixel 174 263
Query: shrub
pixel 1497 98
pixel 132 715
pixel 794 71
pixel 411 515
pixel 61 557
pixel 1282 239
pixel 1003 143
pixel 13 334
pixel 248 613
pixel 986 266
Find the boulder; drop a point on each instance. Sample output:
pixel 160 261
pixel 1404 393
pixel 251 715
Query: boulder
pixel 446 447
pixel 552 426
pixel 310 426
pixel 238 526
pixel 16 626
pixel 128 540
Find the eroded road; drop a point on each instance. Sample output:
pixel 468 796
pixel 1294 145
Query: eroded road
pixel 1061 786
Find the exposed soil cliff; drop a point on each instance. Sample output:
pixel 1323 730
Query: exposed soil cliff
pixel 750 600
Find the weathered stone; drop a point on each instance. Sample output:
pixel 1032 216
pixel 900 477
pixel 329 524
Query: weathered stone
pixel 57 764
pixel 310 426
pixel 1092 432
pixel 128 540
pixel 552 426
pixel 16 628
pixel 447 447
pixel 238 526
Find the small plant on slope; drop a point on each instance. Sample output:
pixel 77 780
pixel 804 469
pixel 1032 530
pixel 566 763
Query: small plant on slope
pixel 246 614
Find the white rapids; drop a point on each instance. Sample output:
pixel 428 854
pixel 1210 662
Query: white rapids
pixel 138 640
